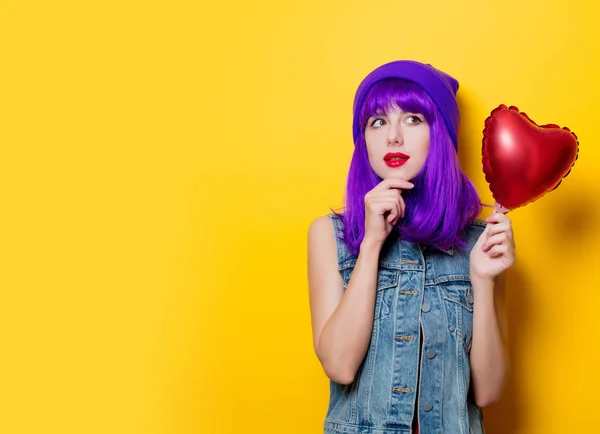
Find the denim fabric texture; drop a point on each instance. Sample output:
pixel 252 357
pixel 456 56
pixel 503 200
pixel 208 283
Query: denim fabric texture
pixel 422 292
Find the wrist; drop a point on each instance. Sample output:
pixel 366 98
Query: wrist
pixel 479 280
pixel 371 245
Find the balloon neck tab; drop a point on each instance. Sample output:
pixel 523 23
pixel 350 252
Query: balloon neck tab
pixel 500 208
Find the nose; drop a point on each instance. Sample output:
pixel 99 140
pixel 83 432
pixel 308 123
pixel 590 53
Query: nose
pixel 395 135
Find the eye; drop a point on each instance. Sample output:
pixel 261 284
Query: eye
pixel 377 122
pixel 414 119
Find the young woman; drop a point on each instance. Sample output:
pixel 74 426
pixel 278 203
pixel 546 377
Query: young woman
pixel 405 301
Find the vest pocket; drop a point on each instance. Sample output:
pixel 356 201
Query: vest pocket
pixel 387 280
pixel 343 400
pixel 458 299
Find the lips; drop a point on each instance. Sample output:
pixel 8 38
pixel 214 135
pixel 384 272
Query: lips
pixel 395 159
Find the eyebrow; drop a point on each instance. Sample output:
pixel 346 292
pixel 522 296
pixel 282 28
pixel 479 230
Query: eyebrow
pixel 402 111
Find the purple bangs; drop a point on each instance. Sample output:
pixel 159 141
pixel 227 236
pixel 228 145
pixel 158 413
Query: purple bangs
pixel 443 201
pixel 387 94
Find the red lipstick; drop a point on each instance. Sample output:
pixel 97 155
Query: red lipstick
pixel 395 159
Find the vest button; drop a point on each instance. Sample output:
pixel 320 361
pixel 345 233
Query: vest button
pixel 430 354
pixel 470 299
pixel 428 406
pixel 426 307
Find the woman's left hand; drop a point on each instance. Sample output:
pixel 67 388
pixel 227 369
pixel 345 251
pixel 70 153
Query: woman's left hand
pixel 494 251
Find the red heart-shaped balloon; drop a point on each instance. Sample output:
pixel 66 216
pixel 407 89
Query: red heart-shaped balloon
pixel 522 161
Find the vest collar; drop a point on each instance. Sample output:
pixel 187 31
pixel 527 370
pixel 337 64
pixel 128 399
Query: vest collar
pixel 449 251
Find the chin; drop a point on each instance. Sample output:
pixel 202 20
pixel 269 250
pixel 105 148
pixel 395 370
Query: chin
pixel 396 172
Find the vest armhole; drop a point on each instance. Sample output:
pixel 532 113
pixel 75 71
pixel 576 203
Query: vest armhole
pixel 337 233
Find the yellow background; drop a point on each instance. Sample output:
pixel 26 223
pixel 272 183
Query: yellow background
pixel 161 163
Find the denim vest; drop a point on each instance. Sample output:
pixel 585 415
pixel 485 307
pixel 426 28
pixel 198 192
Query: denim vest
pixel 422 293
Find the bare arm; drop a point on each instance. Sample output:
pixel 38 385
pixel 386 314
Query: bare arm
pixel 342 321
pixel 491 256
pixel 489 356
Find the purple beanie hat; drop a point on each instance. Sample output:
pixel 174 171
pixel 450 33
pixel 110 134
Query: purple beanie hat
pixel 440 87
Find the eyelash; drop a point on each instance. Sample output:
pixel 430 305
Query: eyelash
pixel 411 116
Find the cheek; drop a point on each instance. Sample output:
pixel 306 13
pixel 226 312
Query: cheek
pixel 420 147
pixel 425 150
pixel 424 145
pixel 371 141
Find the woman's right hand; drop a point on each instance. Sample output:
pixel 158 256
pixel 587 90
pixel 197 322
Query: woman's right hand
pixel 384 206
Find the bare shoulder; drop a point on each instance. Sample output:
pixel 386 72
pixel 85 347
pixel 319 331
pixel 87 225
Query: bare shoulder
pixel 321 227
pixel 321 241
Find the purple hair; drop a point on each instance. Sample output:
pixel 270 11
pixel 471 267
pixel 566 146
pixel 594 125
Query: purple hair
pixel 443 201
